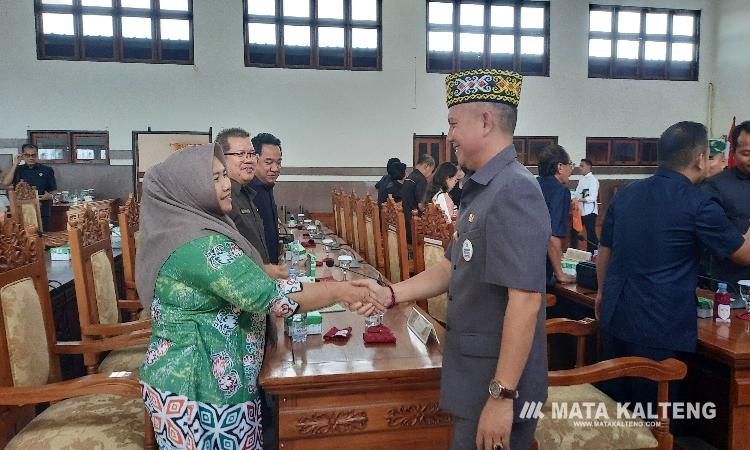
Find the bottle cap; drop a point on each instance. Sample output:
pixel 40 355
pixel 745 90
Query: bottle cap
pixel 723 286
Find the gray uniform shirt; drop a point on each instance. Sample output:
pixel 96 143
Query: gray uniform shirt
pixel 501 242
pixel 247 218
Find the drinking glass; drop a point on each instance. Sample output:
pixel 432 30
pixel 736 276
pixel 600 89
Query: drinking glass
pixel 345 261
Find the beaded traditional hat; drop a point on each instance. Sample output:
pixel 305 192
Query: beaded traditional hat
pixel 483 85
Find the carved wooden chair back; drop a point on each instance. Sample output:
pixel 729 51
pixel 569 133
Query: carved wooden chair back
pixel 24 205
pixel 346 208
pixel 128 220
pixel 357 240
pixel 27 330
pixel 431 235
pixel 394 241
pixel 338 212
pixel 93 274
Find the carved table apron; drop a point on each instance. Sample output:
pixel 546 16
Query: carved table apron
pixel 358 396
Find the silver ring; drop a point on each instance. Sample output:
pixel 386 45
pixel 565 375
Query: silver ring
pixel 498 446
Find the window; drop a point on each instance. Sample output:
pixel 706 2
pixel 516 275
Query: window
pixel 622 151
pixel 643 43
pixel 148 31
pixel 497 34
pixel 317 34
pixel 528 147
pixel 72 146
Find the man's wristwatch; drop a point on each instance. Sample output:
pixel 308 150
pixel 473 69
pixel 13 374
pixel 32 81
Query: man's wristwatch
pixel 497 390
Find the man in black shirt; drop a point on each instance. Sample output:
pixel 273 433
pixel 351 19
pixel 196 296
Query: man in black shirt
pixel 267 172
pixel 25 167
pixel 732 189
pixel 415 185
pixel 394 182
pixel 386 179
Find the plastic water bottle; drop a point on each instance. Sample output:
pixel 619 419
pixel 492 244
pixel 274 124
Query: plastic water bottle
pixel 293 274
pixel 298 328
pixel 722 304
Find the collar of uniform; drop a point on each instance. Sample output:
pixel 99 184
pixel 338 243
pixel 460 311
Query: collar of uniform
pixel 495 165
pixel 669 173
pixel 740 175
pixel 236 187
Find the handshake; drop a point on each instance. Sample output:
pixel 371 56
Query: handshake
pixel 366 296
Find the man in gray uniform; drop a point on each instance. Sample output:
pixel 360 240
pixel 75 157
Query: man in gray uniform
pixel 495 356
pixel 241 160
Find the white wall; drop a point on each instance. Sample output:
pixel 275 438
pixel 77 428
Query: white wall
pixel 731 61
pixel 330 118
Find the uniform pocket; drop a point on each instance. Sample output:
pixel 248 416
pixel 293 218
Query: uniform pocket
pixel 480 345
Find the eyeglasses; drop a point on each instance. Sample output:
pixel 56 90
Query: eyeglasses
pixel 31 155
pixel 243 155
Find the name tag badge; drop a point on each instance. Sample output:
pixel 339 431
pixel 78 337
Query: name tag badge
pixel 467 250
pixel 245 211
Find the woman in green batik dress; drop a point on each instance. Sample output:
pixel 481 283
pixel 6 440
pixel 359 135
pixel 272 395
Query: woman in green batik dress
pixel 209 297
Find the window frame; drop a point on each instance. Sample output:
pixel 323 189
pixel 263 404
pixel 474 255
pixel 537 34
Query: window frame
pixel 612 141
pixel 487 30
pixel 642 37
pixel 523 146
pixel 347 23
pixel 70 148
pixel 116 12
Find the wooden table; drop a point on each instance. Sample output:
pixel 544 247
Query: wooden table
pixel 357 396
pixel 59 212
pixel 720 373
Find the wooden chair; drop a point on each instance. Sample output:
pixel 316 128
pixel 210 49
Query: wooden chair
pixel 95 411
pixel 394 240
pixel 346 207
pixel 128 222
pixel 356 241
pixel 335 208
pixel 369 214
pixel 574 385
pixel 339 213
pixel 96 294
pixel 431 234
pixel 24 205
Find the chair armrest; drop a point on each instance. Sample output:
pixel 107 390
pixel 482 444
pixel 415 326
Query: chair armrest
pixel 630 366
pixel 130 305
pixel 124 384
pixel 136 338
pixel 115 329
pixel 584 327
pixel 130 285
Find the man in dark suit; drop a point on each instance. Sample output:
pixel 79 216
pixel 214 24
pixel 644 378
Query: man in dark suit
pixel 267 172
pixel 649 256
pixel 415 185
pixel 495 353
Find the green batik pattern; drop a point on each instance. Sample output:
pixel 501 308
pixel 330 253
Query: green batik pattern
pixel 209 325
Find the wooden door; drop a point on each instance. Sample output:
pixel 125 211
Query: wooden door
pixel 434 145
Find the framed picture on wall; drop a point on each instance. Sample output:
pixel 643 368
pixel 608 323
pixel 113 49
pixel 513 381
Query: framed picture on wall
pixel 153 147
